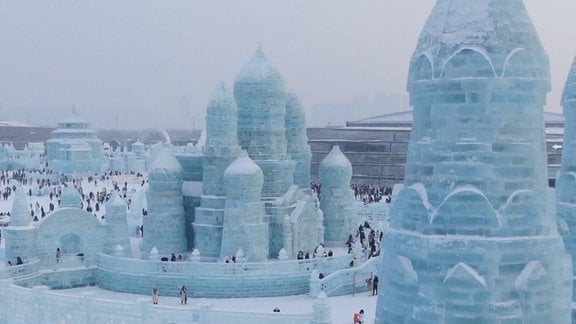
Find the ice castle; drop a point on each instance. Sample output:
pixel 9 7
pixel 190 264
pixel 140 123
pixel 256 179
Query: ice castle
pixel 245 198
pixel 74 147
pixel 473 234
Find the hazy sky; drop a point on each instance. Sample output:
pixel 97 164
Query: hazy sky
pixel 156 63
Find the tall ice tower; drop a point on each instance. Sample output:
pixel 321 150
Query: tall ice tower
pixel 471 236
pixel 566 182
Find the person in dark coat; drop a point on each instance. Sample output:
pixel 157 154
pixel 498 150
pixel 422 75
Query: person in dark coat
pixel 375 286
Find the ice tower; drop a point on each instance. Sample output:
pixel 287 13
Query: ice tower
pixel 164 225
pixel 337 201
pixel 566 183
pixel 220 150
pixel 244 217
pixel 471 237
pixel 20 235
pixel 297 140
pixel 116 224
pixel 261 98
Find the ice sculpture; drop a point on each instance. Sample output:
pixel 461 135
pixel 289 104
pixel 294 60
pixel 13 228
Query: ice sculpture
pixel 74 147
pixel 337 201
pixel 566 183
pixel 471 237
pixel 261 98
pixel 297 140
pixel 116 224
pixel 220 150
pixel 244 216
pixel 164 225
pixel 20 235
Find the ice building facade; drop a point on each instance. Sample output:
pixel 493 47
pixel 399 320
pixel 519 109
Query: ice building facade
pixel 566 182
pixel 74 148
pixel 472 237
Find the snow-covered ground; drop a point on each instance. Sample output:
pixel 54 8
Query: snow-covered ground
pixel 342 307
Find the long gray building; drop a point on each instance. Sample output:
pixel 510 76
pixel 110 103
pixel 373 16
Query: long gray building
pixel 377 146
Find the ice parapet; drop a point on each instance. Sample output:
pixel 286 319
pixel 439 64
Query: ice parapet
pixel 473 218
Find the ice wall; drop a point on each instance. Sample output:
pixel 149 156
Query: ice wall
pixel 164 226
pixel 261 98
pixel 116 224
pixel 566 182
pixel 337 201
pixel 471 237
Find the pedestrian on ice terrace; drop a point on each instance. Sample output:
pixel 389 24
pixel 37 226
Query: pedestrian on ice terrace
pixel 58 255
pixel 183 295
pixel 155 296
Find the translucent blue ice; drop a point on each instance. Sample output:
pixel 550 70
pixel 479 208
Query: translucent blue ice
pixel 472 237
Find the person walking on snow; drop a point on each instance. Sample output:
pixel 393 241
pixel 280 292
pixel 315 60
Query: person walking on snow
pixel 183 295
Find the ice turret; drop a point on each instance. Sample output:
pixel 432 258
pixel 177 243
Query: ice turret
pixel 20 235
pixel 220 149
pixel 244 215
pixel 70 198
pixel 473 218
pixel 164 224
pixel 337 201
pixel 116 221
pixel 261 98
pixel 297 139
pixel 566 182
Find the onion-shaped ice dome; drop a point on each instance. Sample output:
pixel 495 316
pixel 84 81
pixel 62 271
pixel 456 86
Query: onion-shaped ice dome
pixel 243 179
pixel 471 38
pixel 165 167
pixel 259 74
pixel 221 119
pixel 221 103
pixel 70 198
pixel 335 168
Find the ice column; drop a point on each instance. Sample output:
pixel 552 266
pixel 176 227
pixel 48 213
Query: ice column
pixel 116 222
pixel 566 183
pixel 20 235
pixel 261 98
pixel 337 200
pixel 244 225
pixel 164 224
pixel 220 150
pixel 472 238
pixel 297 140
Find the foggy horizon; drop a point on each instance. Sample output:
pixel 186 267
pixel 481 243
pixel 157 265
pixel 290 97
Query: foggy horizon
pixel 144 64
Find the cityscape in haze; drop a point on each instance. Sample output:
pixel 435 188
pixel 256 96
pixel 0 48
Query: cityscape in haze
pixel 120 63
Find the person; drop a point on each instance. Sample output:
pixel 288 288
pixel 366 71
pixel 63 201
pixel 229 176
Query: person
pixel 375 286
pixel 276 310
pixel 19 261
pixel 58 255
pixel 183 295
pixel 359 317
pixel 173 257
pixel 155 296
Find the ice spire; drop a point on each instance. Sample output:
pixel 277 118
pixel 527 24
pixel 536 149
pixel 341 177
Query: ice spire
pixel 298 148
pixel 261 98
pixel 475 199
pixel 337 198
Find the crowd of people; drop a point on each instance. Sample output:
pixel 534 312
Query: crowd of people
pixel 366 193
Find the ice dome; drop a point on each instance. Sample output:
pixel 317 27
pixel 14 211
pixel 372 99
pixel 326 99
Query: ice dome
pixel 164 166
pixel 497 36
pixel 570 87
pixel 243 178
pixel 261 73
pixel 221 103
pixel 70 198
pixel 336 163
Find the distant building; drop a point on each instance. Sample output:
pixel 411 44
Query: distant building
pixel 74 147
pixel 377 146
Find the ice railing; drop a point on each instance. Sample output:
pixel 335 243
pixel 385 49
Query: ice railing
pixel 323 264
pixel 41 305
pixel 344 282
pixel 20 270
